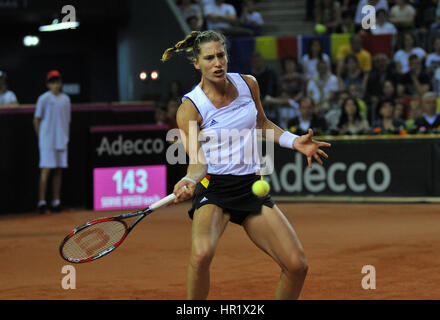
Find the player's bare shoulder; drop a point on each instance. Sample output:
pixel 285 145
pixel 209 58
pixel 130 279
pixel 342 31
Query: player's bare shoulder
pixel 187 112
pixel 253 85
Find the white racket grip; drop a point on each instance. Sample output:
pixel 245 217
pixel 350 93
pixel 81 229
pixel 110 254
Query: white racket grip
pixel 163 201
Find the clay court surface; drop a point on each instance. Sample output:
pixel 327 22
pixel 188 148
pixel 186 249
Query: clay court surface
pixel 401 241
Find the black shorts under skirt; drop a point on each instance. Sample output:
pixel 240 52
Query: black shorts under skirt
pixel 232 193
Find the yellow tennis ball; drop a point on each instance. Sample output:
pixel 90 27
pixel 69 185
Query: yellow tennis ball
pixel 260 188
pixel 320 28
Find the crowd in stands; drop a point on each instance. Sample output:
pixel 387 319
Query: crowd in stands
pixel 353 92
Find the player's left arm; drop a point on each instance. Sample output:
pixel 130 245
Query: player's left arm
pixel 304 144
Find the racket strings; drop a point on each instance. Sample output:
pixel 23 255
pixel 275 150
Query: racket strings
pixel 94 240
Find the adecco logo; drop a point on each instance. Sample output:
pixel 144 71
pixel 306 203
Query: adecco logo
pixel 316 179
pixel 128 147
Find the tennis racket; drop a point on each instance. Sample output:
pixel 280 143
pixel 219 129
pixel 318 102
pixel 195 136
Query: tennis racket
pixel 99 237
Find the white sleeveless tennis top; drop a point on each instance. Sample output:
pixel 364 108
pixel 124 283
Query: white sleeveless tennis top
pixel 228 134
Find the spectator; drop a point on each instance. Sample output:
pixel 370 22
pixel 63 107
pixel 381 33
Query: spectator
pixel 386 122
pixel 355 47
pixel 307 119
pixel 51 123
pixel 416 81
pixel 322 87
pixel 403 15
pixel 347 25
pixel 328 13
pixel 430 120
pixel 292 80
pixel 175 90
pixel 311 58
pixel 352 74
pixel 351 121
pixel 266 77
pixel 332 116
pixel 171 111
pixel 436 24
pixel 382 72
pixel 7 97
pixel 190 11
pixel 377 4
pixel 160 113
pixel 250 18
pixel 193 23
pixel 415 111
pixel 222 16
pixel 382 25
pixel 399 111
pixel 406 49
pixel 432 61
pixel 354 91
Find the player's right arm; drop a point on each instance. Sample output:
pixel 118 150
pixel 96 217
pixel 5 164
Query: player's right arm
pixel 188 121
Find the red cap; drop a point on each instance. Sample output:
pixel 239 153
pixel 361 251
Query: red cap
pixel 53 74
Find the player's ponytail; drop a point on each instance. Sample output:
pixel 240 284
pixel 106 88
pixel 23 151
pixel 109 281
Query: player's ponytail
pixel 185 44
pixel 192 43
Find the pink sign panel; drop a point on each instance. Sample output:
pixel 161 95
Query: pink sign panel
pixel 128 187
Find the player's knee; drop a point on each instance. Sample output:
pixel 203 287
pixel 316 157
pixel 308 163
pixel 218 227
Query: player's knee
pixel 201 257
pixel 297 266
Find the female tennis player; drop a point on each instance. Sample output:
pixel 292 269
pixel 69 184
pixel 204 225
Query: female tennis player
pixel 222 190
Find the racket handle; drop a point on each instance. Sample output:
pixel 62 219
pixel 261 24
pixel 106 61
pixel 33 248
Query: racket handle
pixel 163 201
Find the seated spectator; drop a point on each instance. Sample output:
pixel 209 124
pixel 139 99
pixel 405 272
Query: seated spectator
pixel 175 90
pixel 432 61
pixel 430 120
pixel 403 15
pixel 382 71
pixel 415 112
pixel 322 87
pixel 266 77
pixel 292 80
pixel 355 92
pixel 7 97
pixel 250 18
pixel 382 25
pixel 352 74
pixel 399 111
pixel 377 4
pixel 328 13
pixel 333 115
pixel 307 119
pixel 171 111
pixel 386 122
pixel 407 48
pixel 347 24
pixel 351 121
pixel 355 47
pixel 311 58
pixel 286 109
pixel 436 24
pixel 416 81
pixel 222 16
pixel 190 11
pixel 160 114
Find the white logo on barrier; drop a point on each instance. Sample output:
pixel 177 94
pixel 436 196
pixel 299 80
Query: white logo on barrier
pixel 122 146
pixel 71 16
pixel 316 178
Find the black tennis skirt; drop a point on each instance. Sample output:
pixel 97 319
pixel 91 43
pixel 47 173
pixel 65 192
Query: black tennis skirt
pixel 232 193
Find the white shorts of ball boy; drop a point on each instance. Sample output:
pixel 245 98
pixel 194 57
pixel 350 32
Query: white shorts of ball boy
pixel 52 158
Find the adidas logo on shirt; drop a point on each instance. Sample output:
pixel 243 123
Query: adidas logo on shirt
pixel 213 122
pixel 204 199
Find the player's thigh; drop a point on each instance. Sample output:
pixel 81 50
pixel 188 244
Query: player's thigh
pixel 208 225
pixel 273 233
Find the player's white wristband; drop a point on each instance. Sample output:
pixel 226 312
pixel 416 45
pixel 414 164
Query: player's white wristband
pixel 287 139
pixel 189 179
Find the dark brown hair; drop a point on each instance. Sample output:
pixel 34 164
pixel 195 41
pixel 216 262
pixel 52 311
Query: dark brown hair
pixel 192 43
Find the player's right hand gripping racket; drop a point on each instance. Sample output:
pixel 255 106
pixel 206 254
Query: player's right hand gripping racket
pixel 101 236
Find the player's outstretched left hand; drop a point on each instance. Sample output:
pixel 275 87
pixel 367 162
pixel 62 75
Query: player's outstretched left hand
pixel 310 148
